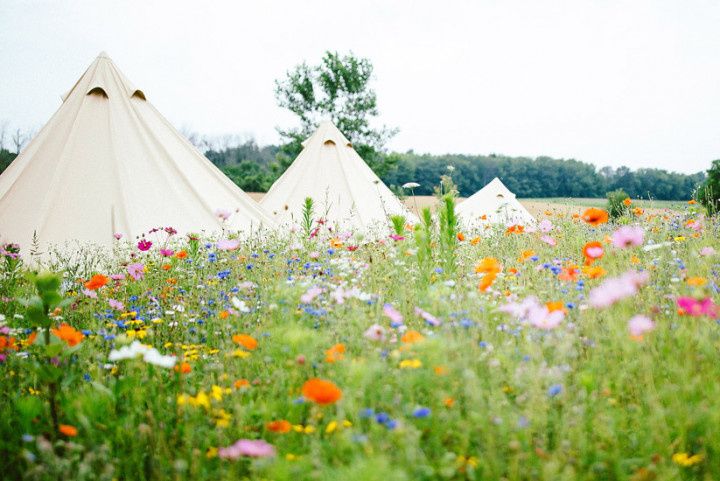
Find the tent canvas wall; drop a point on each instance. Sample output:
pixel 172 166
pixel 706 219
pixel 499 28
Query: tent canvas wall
pixel 344 189
pixel 496 203
pixel 108 162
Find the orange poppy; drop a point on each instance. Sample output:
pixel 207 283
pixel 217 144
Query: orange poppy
pixel 692 202
pixel 487 281
pixel 515 229
pixel 592 251
pixel 475 241
pixel 248 342
pixel 67 430
pixel 638 211
pixel 68 334
pixel 595 217
pixel 96 282
pixel 594 272
pixel 568 274
pixel 555 306
pixel 321 391
pixel 224 314
pixel 525 255
pixel 627 202
pixel 181 254
pixel 460 236
pixel 241 383
pixel 411 336
pixel 183 368
pixel 282 426
pixel 488 265
pixel 335 353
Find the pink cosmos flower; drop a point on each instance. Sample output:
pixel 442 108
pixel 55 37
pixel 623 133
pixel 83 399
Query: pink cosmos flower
pixel 393 314
pixel 310 294
pixel 254 448
pixel 117 236
pixel 628 236
pixel 314 255
pixel 227 244
pixel 144 245
pixel 166 252
pixel 639 325
pixel 136 271
pixel 429 318
pixel 89 293
pixel 223 214
pixel 396 237
pixel 375 333
pixel 707 251
pixel 520 310
pixel 116 304
pixel 694 307
pixel 616 289
pixel 545 226
pixel 117 277
pixel 542 318
pixel 549 240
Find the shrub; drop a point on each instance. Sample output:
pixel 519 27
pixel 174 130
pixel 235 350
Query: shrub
pixel 617 205
pixel 709 192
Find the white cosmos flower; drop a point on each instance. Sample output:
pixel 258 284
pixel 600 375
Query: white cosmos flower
pixel 410 185
pixel 148 353
pixel 240 305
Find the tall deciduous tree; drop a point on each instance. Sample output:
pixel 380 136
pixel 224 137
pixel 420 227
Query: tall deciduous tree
pixel 337 89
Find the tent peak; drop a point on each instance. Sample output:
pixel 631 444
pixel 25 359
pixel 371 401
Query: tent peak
pixel 103 54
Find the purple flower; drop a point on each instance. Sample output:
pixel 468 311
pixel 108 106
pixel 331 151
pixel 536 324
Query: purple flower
pixel 429 318
pixel 136 271
pixel 116 304
pixel 393 314
pixel 166 252
pixel 254 448
pixel 628 236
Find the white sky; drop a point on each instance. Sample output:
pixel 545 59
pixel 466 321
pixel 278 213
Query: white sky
pixel 632 82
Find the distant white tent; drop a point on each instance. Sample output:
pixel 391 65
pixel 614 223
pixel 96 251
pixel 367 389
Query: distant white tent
pixel 107 162
pixel 344 189
pixel 494 204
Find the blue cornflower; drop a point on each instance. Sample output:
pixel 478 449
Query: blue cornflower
pixel 554 390
pixel 422 412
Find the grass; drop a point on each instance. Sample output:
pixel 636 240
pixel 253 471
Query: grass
pixel 481 395
pixel 599 202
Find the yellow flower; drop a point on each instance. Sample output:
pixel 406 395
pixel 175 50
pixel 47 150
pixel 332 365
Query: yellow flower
pixel 222 418
pixel 332 426
pixel 240 353
pixel 410 363
pixel 291 457
pixel 309 429
pixel 696 281
pixel 680 238
pixel 212 452
pixel 685 460
pixel 346 424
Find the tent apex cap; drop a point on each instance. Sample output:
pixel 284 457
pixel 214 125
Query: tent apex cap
pixel 103 54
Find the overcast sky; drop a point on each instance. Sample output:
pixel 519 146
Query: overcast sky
pixel 632 83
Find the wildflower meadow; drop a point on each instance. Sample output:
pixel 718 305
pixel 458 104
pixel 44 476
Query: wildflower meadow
pixel 579 347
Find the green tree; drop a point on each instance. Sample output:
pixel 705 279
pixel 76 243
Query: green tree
pixel 337 89
pixel 709 191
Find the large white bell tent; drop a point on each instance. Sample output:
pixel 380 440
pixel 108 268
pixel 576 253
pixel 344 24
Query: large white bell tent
pixel 107 162
pixel 493 204
pixel 345 191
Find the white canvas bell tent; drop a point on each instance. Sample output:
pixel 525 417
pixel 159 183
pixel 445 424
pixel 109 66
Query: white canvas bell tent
pixel 345 191
pixel 107 162
pixel 493 204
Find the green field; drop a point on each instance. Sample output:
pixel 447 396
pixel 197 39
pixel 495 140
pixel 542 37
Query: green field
pixel 499 357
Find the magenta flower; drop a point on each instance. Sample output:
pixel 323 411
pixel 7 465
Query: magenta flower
pixel 628 236
pixel 694 307
pixel 396 237
pixel 136 271
pixel 227 244
pixel 616 289
pixel 254 448
pixel 639 325
pixel 166 252
pixel 144 245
